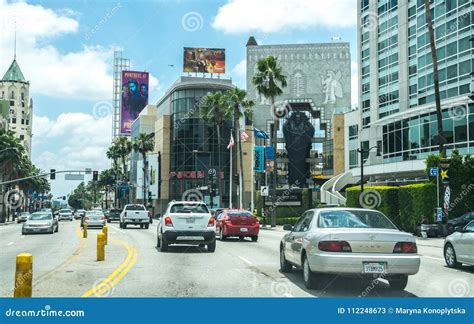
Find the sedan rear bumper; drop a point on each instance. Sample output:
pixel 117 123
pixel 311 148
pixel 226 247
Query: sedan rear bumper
pixel 352 263
pixel 241 230
pixel 189 237
pixel 35 230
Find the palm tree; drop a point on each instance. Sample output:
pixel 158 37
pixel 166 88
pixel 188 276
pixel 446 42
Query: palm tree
pixel 124 147
pixel 269 81
pixel 434 58
pixel 114 154
pixel 212 110
pixel 238 105
pixel 143 144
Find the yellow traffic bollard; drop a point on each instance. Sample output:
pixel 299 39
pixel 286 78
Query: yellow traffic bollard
pixel 84 232
pixel 23 275
pixel 100 247
pixel 105 230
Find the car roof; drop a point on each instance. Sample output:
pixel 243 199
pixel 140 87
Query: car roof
pixel 187 202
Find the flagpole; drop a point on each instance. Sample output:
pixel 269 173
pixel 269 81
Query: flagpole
pixel 252 173
pixel 230 178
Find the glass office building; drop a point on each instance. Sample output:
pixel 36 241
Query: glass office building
pixel 396 83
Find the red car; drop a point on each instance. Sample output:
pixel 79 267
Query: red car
pixel 236 222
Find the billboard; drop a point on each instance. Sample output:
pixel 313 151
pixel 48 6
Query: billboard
pixel 134 97
pixel 205 60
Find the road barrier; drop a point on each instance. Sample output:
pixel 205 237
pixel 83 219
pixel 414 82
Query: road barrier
pixel 23 275
pixel 105 230
pixel 100 247
pixel 84 232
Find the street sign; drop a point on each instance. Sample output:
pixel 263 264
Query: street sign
pixel 88 170
pixel 434 172
pixel 439 214
pixel 264 190
pixel 212 172
pixel 74 177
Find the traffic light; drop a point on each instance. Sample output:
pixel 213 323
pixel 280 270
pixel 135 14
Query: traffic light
pixel 149 196
pixel 52 174
pixel 95 175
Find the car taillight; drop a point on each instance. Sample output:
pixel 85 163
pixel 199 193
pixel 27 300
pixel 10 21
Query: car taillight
pixel 168 221
pixel 211 222
pixel 405 247
pixel 86 218
pixel 103 218
pixel 227 220
pixel 335 246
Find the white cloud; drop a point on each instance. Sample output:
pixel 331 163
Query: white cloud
pixel 82 74
pixel 242 16
pixel 240 69
pixel 75 141
pixel 354 84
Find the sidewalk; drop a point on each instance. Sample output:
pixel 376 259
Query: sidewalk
pixel 431 242
pixel 7 223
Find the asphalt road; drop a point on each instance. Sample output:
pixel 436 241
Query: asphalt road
pixel 65 265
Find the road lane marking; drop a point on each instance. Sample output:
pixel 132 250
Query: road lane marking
pixel 245 260
pixel 11 243
pixel 117 229
pixel 115 277
pixel 430 257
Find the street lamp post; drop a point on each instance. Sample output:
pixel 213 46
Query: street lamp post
pixel 310 183
pixel 362 151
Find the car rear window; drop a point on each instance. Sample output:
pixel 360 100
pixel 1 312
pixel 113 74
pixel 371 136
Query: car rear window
pixel 239 214
pixel 65 211
pixel 45 216
pixel 354 219
pixel 135 207
pixel 189 208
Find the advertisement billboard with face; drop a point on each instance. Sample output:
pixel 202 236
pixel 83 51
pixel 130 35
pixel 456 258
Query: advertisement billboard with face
pixel 134 97
pixel 205 60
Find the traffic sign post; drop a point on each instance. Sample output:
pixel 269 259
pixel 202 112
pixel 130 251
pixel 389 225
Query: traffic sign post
pixel 434 172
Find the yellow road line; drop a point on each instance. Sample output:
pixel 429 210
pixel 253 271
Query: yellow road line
pixel 109 282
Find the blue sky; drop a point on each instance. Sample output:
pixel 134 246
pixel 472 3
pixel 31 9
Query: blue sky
pixel 65 49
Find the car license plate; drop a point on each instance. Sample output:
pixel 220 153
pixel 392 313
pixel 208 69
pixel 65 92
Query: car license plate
pixel 190 220
pixel 36 229
pixel 243 229
pixel 374 267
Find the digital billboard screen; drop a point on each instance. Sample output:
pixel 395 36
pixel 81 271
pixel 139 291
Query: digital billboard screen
pixel 134 97
pixel 205 60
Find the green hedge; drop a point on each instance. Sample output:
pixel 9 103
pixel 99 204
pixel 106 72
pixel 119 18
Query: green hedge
pixel 403 205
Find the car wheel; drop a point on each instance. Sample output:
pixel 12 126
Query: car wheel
pixel 108 220
pixel 310 278
pixel 163 245
pixel 211 247
pixel 285 266
pixel 147 226
pixel 151 221
pixel 57 228
pixel 120 225
pixel 23 232
pixel 398 283
pixel 52 230
pixel 254 238
pixel 124 225
pixel 450 256
pixel 241 238
pixel 141 225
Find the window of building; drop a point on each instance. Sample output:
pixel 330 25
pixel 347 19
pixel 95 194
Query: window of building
pixel 22 137
pixel 12 95
pixel 22 96
pixel 12 103
pixel 353 132
pixel 13 120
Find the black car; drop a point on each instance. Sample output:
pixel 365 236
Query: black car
pixel 459 222
pixel 114 215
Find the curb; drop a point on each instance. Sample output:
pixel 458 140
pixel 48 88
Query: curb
pixel 7 223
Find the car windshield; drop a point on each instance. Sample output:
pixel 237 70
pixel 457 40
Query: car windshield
pixel 42 216
pixel 24 214
pixel 135 207
pixel 239 214
pixel 65 211
pixel 189 208
pixel 354 219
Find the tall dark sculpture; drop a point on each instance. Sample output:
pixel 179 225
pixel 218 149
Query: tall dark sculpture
pixel 298 132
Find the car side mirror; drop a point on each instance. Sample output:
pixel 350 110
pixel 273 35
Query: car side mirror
pixel 287 227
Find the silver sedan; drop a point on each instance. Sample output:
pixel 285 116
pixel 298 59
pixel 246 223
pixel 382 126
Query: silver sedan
pixel 94 218
pixel 348 241
pixel 40 222
pixel 459 247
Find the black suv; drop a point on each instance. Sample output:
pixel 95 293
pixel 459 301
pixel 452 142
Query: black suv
pixel 114 215
pixel 459 222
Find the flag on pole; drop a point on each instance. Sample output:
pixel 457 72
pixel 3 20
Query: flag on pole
pixel 231 142
pixel 447 197
pixel 244 136
pixel 260 133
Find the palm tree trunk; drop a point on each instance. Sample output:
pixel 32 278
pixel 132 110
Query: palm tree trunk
pixel 144 179
pixel 241 173
pixel 434 57
pixel 219 161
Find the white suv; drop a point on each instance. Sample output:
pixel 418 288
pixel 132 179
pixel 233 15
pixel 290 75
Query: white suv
pixel 186 222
